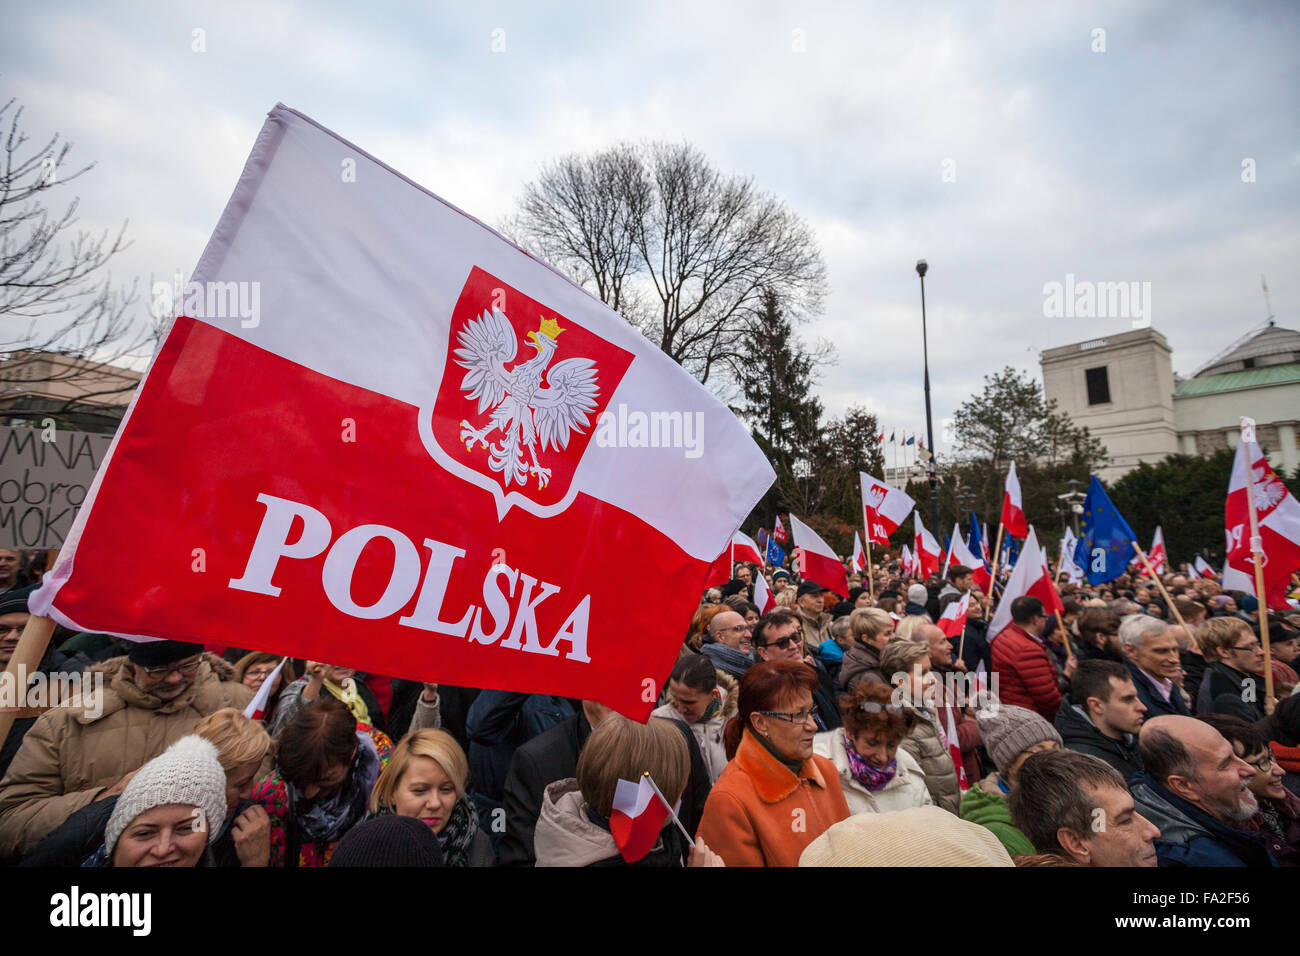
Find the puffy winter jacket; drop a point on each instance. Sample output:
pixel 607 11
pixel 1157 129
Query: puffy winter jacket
pixel 925 745
pixel 1024 672
pixel 986 805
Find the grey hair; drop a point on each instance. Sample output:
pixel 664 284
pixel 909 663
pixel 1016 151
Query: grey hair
pixel 1134 627
pixel 839 628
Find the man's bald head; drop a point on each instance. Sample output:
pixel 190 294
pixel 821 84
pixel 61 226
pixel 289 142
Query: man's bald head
pixel 729 628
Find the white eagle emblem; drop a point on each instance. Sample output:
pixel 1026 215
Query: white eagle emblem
pixel 529 415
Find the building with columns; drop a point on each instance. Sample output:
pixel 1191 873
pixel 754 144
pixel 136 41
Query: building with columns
pixel 1122 387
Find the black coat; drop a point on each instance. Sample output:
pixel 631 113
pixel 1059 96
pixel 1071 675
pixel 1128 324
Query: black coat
pixel 1226 690
pixel 1082 736
pixel 1153 700
pixel 1194 671
pixel 553 756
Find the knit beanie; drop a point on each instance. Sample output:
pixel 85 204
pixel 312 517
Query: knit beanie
pixel 917 594
pixel 188 772
pixel 14 601
pixel 1008 731
pixel 917 836
pixel 388 841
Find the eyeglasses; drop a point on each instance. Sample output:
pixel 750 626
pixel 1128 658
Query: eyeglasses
pixel 1264 764
pixel 1252 646
pixel 735 627
pixel 802 717
pixel 185 669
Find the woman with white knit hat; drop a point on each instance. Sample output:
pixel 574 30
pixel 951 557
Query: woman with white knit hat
pixel 169 812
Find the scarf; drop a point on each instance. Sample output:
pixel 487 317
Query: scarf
pixel 732 661
pixel 715 705
pixel 351 697
pixel 864 773
pixel 1270 821
pixel 329 818
pixel 458 834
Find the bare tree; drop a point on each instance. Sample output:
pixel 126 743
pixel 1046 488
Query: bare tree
pixel 55 291
pixel 681 250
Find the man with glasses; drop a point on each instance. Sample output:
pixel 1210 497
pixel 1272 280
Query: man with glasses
pixel 88 749
pixel 1233 681
pixel 779 636
pixel 730 644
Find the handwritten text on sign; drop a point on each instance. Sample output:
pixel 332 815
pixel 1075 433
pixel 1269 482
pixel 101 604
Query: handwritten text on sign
pixel 44 478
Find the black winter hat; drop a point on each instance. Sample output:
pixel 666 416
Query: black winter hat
pixel 14 601
pixel 158 653
pixel 388 841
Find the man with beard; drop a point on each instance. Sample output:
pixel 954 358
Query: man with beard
pixel 1197 791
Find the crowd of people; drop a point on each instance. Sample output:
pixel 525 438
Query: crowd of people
pixel 1135 728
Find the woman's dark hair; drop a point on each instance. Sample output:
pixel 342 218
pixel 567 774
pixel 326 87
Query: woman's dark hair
pixel 696 672
pixel 317 738
pixel 1284 725
pixel 1237 731
pixel 869 706
pixel 767 686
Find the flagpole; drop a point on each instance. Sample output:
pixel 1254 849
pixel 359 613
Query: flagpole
pixel 1165 594
pixel 690 840
pixel 26 660
pixel 871 584
pixel 1257 552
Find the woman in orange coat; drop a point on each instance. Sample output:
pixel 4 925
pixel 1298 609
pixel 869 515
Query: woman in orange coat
pixel 775 796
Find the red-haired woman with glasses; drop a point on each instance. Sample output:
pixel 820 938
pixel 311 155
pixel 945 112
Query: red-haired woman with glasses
pixel 775 796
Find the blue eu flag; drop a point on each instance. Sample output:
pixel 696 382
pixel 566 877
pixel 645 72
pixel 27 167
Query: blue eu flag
pixel 1106 546
pixel 774 553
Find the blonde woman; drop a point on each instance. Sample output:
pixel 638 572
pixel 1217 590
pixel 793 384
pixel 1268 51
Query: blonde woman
pixel 907 665
pixel 871 629
pixel 427 778
pixel 245 751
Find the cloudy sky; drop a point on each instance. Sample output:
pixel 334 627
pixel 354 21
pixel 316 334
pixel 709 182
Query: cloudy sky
pixel 1009 144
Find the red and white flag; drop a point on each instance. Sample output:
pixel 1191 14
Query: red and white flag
pixel 1278 515
pixel 419 451
pixel 953 619
pixel 817 562
pixel 257 706
pixel 1072 572
pixel 744 548
pixel 637 817
pixel 1013 509
pixel 1156 555
pixel 859 556
pixel 1029 577
pixel 954 750
pixel 960 553
pixel 907 561
pixel 763 597
pixel 884 508
pixel 1203 568
pixel 927 548
pixel 778 530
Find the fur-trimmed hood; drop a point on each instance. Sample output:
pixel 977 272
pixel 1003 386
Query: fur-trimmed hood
pixel 214 687
pixel 730 690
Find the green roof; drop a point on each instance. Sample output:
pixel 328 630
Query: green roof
pixel 1231 381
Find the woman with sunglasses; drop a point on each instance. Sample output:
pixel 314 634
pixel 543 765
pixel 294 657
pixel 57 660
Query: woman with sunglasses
pixel 775 796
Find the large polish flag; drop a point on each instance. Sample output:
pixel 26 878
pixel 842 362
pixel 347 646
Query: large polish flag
pixel 1278 516
pixel 817 562
pixel 1030 576
pixel 424 453
pixel 1013 507
pixel 884 508
pixel 927 548
pixel 959 552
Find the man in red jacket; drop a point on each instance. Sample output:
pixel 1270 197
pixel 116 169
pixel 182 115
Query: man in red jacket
pixel 1024 672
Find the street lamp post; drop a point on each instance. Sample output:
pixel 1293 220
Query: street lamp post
pixel 921 269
